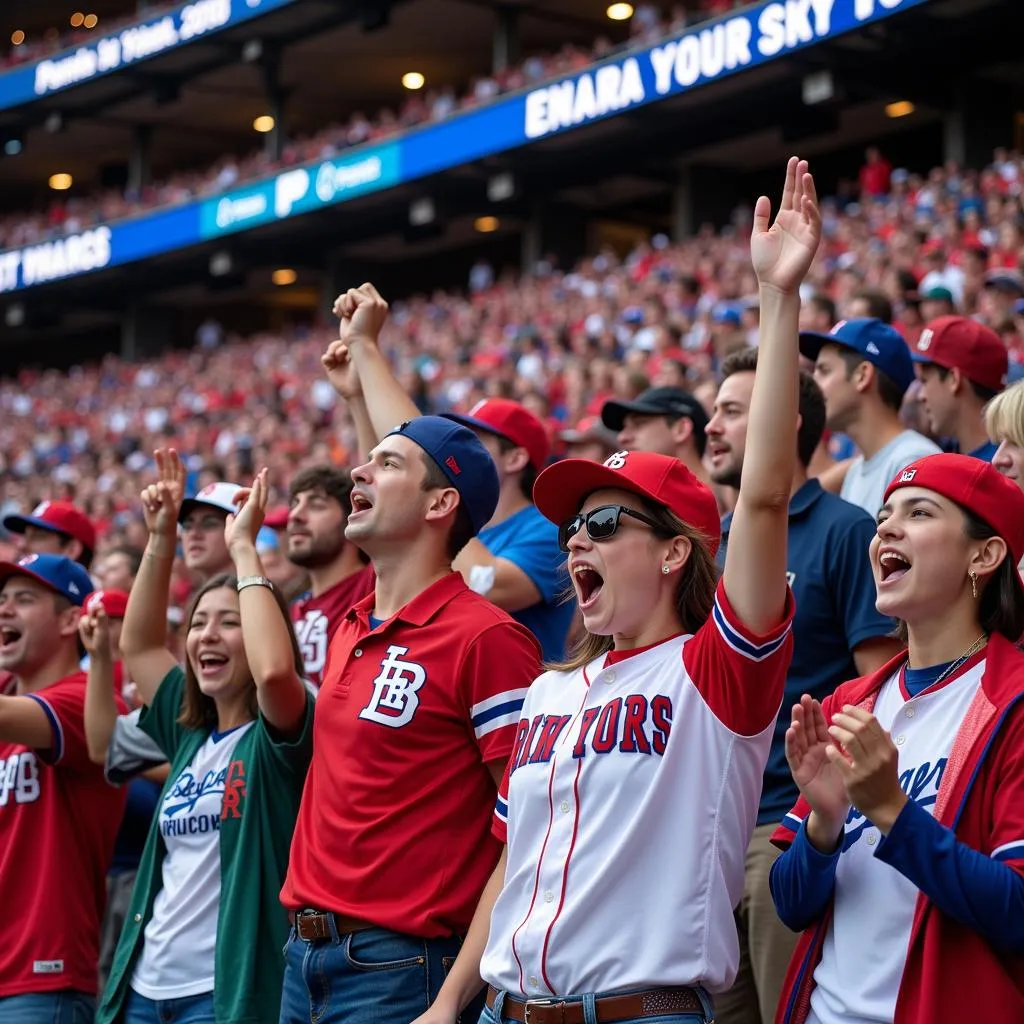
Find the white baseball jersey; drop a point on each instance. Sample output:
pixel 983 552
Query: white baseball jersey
pixel 627 807
pixel 865 950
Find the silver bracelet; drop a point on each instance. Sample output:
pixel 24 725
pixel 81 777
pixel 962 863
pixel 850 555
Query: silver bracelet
pixel 253 581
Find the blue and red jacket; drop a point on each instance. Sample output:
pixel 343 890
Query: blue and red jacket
pixel 965 960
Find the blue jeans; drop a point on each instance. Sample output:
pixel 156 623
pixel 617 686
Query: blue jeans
pixel 186 1010
pixel 373 976
pixel 48 1008
pixel 494 1016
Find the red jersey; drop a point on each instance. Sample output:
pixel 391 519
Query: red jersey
pixel 58 822
pixel 394 825
pixel 317 618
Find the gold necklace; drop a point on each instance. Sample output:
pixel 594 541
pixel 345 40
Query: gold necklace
pixel 953 666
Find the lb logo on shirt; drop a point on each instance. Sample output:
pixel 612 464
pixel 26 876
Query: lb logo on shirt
pixel 395 696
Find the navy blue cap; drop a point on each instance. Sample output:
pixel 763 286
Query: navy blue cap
pixel 462 458
pixel 58 572
pixel 881 345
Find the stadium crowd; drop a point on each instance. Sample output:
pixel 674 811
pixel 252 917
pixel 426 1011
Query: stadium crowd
pixel 380 652
pixel 72 214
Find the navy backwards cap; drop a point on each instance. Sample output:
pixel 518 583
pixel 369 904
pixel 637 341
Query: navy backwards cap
pixel 463 459
pixel 57 572
pixel 879 343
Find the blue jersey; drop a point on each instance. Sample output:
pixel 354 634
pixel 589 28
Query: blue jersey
pixel 985 451
pixel 830 574
pixel 530 542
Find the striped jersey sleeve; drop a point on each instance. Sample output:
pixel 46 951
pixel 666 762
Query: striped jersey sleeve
pixel 739 673
pixel 499 824
pixel 495 677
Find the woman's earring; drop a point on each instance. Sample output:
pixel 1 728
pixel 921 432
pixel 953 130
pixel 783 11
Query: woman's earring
pixel 665 569
pixel 974 583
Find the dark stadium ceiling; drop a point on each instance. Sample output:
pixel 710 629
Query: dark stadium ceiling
pixel 331 67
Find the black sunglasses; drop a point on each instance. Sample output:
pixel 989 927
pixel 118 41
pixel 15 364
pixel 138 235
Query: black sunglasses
pixel 601 524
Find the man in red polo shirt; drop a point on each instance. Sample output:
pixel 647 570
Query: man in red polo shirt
pixel 415 721
pixel 58 817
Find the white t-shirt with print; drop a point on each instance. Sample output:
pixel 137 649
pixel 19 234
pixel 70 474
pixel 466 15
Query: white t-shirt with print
pixel 178 952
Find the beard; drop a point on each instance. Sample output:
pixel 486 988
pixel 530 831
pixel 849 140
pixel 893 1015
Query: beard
pixel 728 476
pixel 315 553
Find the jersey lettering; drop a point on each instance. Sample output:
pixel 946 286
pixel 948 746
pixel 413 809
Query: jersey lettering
pixel 395 695
pixel 234 791
pixel 311 632
pixel 629 725
pixel 921 784
pixel 19 779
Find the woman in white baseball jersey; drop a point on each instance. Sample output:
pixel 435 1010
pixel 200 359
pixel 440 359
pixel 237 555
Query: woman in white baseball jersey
pixel 633 785
pixel 904 862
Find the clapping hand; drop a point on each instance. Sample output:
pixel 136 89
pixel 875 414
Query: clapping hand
pixel 161 501
pixel 241 527
pixel 782 253
pixel 866 760
pixel 816 776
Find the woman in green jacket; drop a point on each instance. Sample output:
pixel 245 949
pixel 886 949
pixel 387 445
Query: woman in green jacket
pixel 202 942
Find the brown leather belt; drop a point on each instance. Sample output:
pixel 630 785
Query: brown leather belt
pixel 311 925
pixel 655 1002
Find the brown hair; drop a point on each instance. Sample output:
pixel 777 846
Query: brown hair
pixel 198 711
pixel 462 531
pixel 327 480
pixel 695 591
pixel 811 403
pixel 1001 606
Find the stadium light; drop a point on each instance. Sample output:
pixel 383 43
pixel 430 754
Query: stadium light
pixel 77 19
pixel 61 181
pixel 252 51
pixel 485 225
pixel 54 122
pixel 221 264
pixel 501 187
pixel 284 276
pixel 620 12
pixel 422 212
pixel 14 315
pixel 901 108
pixel 12 147
pixel 413 80
pixel 17 37
pixel 264 123
pixel 91 21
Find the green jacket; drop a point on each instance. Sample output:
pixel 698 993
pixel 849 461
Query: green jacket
pixel 261 802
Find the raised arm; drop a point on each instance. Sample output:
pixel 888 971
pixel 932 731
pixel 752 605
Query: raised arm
pixel 144 634
pixel 100 707
pixel 755 564
pixel 266 632
pixel 362 313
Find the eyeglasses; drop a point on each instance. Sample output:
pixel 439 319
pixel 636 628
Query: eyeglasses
pixel 601 523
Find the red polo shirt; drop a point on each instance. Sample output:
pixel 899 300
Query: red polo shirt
pixel 394 825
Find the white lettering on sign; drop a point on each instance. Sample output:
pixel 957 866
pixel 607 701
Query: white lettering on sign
pixel 134 43
pixel 333 179
pixel 56 74
pixel 610 88
pixel 289 188
pixel 9 264
pixel 72 255
pixel 241 208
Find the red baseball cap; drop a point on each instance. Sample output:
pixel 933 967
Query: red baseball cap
pixel 512 421
pixel 115 602
pixel 975 485
pixel 57 517
pixel 562 488
pixel 972 348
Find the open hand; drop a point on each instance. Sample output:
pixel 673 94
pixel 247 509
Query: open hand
pixel 94 630
pixel 866 759
pixel 818 779
pixel 161 501
pixel 782 254
pixel 241 528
